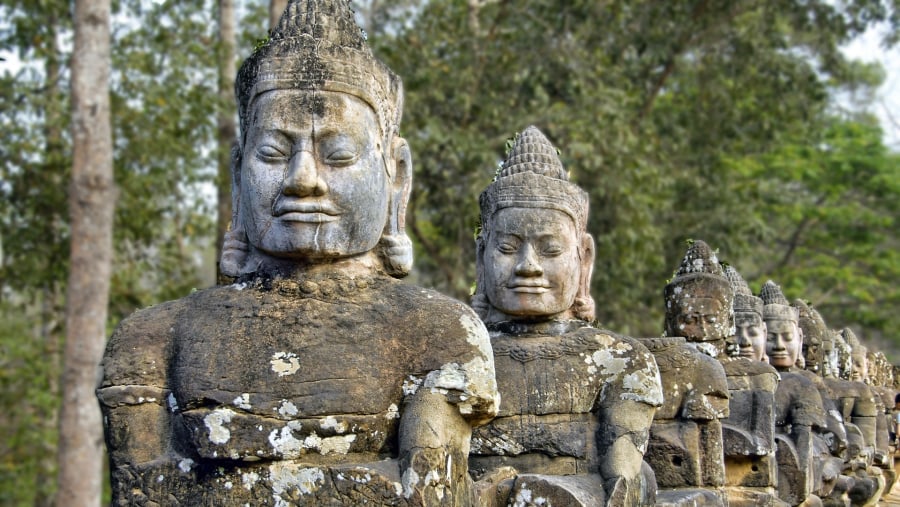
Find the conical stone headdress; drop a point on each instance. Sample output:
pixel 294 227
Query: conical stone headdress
pixel 775 305
pixel 317 45
pixel 854 343
pixel 744 300
pixel 699 275
pixel 811 322
pixel 533 177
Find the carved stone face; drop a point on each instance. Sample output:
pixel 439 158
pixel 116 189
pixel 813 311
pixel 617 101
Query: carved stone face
pixel 313 180
pixel 700 319
pixel 750 335
pixel 531 263
pixel 812 355
pixel 784 343
pixel 859 366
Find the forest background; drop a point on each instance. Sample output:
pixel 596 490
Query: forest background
pixel 739 122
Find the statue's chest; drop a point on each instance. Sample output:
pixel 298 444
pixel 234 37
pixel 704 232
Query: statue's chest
pixel 324 358
pixel 546 376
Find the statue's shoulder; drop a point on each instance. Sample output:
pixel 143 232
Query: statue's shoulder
pixel 428 311
pixel 737 366
pixel 138 350
pixel 630 367
pixel 409 296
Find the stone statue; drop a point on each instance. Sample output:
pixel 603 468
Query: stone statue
pixel 700 307
pixel 829 444
pixel 858 406
pixel 317 378
pixel 857 401
pixel 799 408
pixel 878 374
pixel 686 446
pixel 749 326
pixel 577 401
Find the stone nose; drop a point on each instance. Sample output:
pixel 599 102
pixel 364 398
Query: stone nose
pixel 528 264
pixel 303 178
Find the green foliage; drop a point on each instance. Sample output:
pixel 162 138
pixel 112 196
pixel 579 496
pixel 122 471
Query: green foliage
pixel 164 103
pixel 831 208
pixel 28 371
pixel 651 102
pixel 164 99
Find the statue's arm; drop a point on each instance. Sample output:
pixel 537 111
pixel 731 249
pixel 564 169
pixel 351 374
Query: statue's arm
pixel 625 415
pixel 624 433
pixel 133 392
pixel 434 449
pixel 437 419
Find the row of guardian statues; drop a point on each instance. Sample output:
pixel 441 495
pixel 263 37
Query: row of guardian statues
pixel 318 378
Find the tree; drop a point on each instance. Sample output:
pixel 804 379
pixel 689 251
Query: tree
pixel 91 205
pixel 830 234
pixel 648 102
pixel 227 128
pixel 163 95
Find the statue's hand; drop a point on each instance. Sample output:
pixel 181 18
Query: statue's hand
pixel 434 447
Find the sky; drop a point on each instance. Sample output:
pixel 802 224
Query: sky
pixel 887 104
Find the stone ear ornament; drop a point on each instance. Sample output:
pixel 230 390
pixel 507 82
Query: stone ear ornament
pixel 395 247
pixel 234 246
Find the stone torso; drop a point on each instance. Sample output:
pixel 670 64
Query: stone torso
pixel 271 384
pixel 552 388
pixel 695 383
pixel 797 401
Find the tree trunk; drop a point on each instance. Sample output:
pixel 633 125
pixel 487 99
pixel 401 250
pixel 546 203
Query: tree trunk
pixel 91 205
pixel 276 8
pixel 227 130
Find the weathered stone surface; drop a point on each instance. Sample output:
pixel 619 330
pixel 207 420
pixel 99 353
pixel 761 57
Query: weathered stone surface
pixel 577 401
pixel 248 382
pixel 317 378
pixel 686 447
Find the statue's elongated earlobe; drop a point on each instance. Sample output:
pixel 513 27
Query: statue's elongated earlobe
pixel 395 246
pixel 584 308
pixel 234 245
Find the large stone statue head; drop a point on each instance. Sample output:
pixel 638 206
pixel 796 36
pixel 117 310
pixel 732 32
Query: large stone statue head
pixel 534 255
pixel 859 361
pixel 699 299
pixel 320 173
pixel 814 331
pixel 785 338
pixel 749 326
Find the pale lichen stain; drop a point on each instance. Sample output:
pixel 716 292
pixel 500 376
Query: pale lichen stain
pixel 215 422
pixel 609 364
pixel 242 401
pixel 249 479
pixel 411 385
pixel 185 465
pixel 409 481
pixel 393 412
pixel 287 408
pixel 524 499
pixel 285 477
pixel 285 363
pixel 330 422
pixel 285 443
